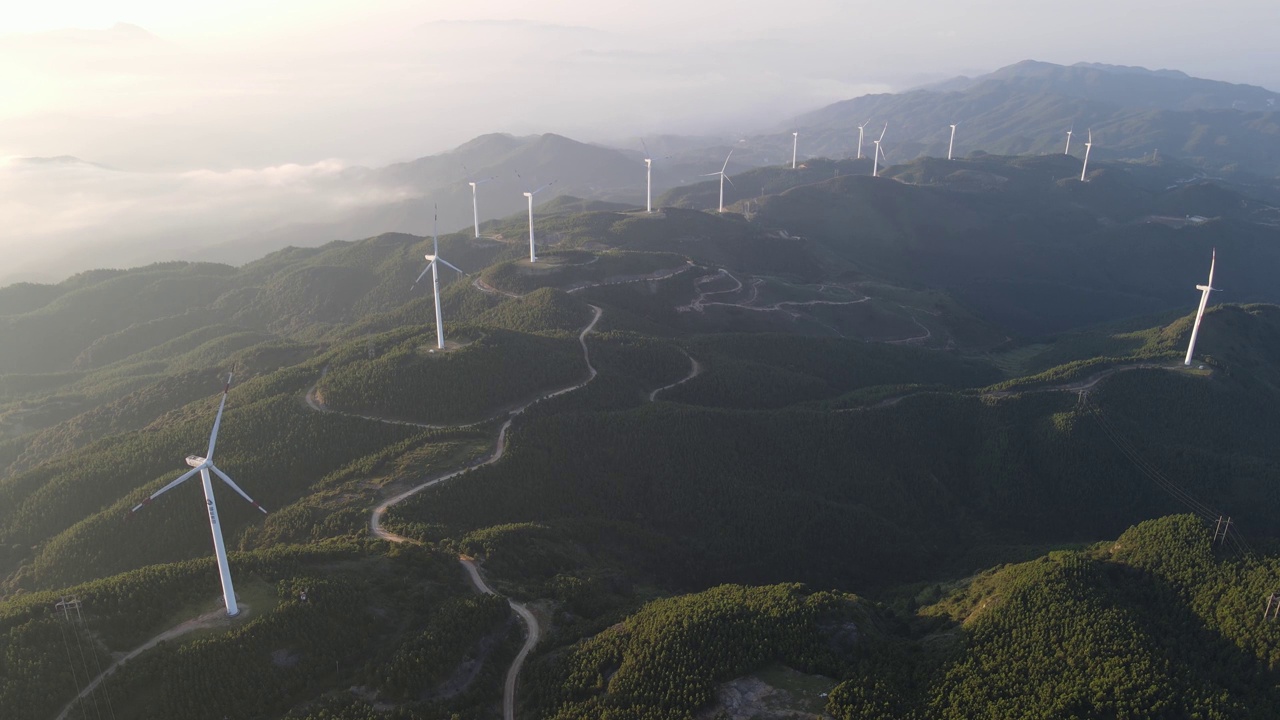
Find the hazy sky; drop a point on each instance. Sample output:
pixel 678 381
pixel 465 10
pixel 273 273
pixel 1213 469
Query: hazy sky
pixel 251 83
pixel 230 99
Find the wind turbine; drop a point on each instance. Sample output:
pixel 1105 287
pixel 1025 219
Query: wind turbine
pixel 723 177
pixel 533 253
pixel 1068 150
pixel 951 144
pixel 795 143
pixel 648 178
pixel 433 259
pixel 204 465
pixel 1204 300
pixel 860 127
pixel 475 209
pixel 875 166
pixel 1087 146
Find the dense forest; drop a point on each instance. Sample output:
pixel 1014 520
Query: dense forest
pixel 880 449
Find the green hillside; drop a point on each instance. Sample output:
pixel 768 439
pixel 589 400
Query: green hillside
pixel 396 622
pixel 1032 255
pixel 1028 107
pixel 680 442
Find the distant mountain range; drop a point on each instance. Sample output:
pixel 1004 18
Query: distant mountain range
pixel 1022 109
pixel 1216 130
pixel 1027 109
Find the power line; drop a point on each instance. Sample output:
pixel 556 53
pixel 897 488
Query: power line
pixel 1236 539
pixel 97 661
pixel 71 665
pixel 67 605
pixel 1147 469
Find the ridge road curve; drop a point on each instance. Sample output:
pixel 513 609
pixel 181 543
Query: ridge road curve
pixel 213 618
pixel 513 672
pixel 499 449
pixel 695 369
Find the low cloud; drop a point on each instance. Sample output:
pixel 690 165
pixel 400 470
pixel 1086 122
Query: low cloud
pixel 63 215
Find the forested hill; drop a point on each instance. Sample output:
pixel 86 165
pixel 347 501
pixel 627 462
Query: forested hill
pixel 1156 624
pixel 1028 108
pixel 862 439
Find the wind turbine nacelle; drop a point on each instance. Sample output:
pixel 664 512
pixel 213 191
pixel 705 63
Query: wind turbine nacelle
pixel 1206 288
pixel 196 461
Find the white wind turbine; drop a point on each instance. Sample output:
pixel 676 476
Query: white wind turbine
pixel 475 209
pixel 723 177
pixel 1204 300
pixel 1087 147
pixel 795 144
pixel 875 166
pixel 860 127
pixel 433 260
pixel 648 178
pixel 204 465
pixel 533 253
pixel 1068 150
pixel 951 144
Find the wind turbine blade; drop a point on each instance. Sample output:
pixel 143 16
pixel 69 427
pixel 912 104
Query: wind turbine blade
pixel 236 487
pixel 1213 261
pixel 710 174
pixel 726 161
pixel 726 177
pixel 449 264
pixel 424 274
pixel 181 479
pixel 646 149
pixel 213 436
pixel 544 187
pixel 882 132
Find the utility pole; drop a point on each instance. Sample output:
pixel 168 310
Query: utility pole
pixel 1221 530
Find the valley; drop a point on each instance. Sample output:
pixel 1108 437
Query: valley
pixel 886 439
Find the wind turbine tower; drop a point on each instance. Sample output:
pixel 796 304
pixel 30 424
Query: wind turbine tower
pixel 648 178
pixel 433 260
pixel 951 144
pixel 203 466
pixel 1204 300
pixel 1068 150
pixel 1088 145
pixel 860 127
pixel 533 253
pixel 795 143
pixel 648 185
pixel 875 165
pixel 723 177
pixel 475 209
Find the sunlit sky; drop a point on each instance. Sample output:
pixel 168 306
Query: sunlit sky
pixel 225 117
pixel 236 82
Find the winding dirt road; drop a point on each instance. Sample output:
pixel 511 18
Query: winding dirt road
pixel 535 633
pixel 700 303
pixel 212 618
pixel 499 449
pixel 695 369
pixel 1081 387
